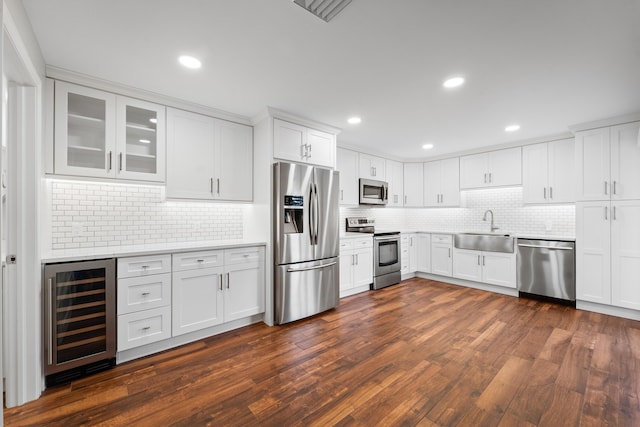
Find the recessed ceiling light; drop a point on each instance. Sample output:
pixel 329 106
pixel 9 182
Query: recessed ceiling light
pixel 145 141
pixel 190 61
pixel 453 82
pixel 512 128
pixel 427 146
pixel 153 120
pixel 354 120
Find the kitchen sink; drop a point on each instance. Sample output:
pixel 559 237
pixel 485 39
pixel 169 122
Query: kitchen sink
pixel 489 242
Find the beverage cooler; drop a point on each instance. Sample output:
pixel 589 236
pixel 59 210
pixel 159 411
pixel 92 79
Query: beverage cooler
pixel 79 319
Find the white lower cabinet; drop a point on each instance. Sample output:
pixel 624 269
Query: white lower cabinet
pixel 144 300
pixel 197 299
pixel 493 268
pixel 441 254
pixel 423 252
pixel 608 253
pixel 356 265
pixel 217 286
pixel 408 257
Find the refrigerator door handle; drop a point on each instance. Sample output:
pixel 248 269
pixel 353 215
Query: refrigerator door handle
pixel 317 267
pixel 315 214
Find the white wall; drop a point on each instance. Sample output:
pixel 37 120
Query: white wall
pixel 506 203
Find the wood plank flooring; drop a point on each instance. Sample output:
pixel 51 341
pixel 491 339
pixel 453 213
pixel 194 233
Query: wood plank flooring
pixel 420 353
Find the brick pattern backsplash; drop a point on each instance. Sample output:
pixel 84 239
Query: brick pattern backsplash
pixel 87 214
pixel 506 203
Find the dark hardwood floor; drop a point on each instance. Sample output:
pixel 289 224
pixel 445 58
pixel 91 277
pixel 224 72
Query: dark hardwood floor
pixel 420 353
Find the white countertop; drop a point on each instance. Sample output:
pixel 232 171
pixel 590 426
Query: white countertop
pixel 83 254
pixel 516 235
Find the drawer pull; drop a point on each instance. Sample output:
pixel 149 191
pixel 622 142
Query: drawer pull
pixel 199 261
pixel 146 328
pixel 144 267
pixel 144 294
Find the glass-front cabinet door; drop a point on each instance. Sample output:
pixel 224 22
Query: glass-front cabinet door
pixel 140 140
pixel 100 134
pixel 84 132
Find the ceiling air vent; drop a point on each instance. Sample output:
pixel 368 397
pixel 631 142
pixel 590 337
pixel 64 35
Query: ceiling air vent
pixel 323 9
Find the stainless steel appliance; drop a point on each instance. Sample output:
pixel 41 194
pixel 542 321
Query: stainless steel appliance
pixel 306 237
pixel 373 192
pixel 386 251
pixel 79 319
pixel 547 268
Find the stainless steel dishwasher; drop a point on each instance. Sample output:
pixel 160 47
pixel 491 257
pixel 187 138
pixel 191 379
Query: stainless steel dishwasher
pixel 547 268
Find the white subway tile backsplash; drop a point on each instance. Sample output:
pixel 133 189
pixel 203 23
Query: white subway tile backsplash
pixel 506 203
pixel 97 214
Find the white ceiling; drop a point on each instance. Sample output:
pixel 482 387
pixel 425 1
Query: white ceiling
pixel 543 64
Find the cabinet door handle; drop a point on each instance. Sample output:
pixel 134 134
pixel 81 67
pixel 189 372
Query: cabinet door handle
pixel 228 280
pixel 478 259
pixel 309 151
pixel 405 200
pixel 220 281
pixel 614 188
pixel 606 187
pixel 211 185
pixel 551 193
pixel 483 260
pixel 120 162
pixel 606 213
pixel 489 177
pixel 449 252
pixel 353 260
pixel 218 185
pixel 614 213
pixel 110 161
pixel 485 178
pixel 545 193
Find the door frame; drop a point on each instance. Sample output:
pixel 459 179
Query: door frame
pixel 21 311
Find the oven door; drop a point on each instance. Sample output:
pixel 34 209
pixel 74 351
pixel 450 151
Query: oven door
pixel 386 254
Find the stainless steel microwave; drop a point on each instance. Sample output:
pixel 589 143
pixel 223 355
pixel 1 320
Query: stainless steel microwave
pixel 373 192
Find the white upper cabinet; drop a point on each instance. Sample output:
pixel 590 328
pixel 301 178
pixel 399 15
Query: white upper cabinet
pixel 208 159
pixel 442 183
pixel 233 161
pixel 371 167
pixel 413 183
pixel 548 173
pixel 492 169
pixel 99 134
pixel 347 165
pixel 607 162
pixel 625 162
pixel 301 144
pixel 394 172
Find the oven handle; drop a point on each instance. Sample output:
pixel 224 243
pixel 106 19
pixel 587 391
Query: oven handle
pixel 386 238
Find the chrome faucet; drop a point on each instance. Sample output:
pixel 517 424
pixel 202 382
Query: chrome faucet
pixel 484 218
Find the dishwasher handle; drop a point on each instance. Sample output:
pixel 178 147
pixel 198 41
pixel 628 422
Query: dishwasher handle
pixel 560 248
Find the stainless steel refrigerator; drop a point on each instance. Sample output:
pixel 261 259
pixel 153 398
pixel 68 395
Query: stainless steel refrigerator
pixel 306 241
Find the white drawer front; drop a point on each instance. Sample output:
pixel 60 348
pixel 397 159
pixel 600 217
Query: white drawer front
pixel 441 238
pixel 363 243
pixel 243 256
pixel 144 265
pixel 143 327
pixel 143 293
pixel 196 260
pixel 346 245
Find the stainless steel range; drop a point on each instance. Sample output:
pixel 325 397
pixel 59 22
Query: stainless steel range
pixel 386 251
